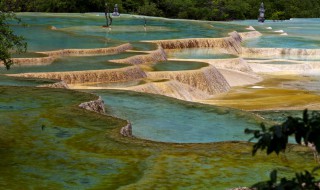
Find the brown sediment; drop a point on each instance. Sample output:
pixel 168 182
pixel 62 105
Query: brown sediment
pixel 232 43
pixel 153 56
pixel 111 75
pixel 207 79
pixel 172 89
pixel 96 51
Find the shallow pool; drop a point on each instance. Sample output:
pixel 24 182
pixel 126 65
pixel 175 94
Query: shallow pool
pixel 198 53
pixel 79 63
pixel 165 119
pixel 178 65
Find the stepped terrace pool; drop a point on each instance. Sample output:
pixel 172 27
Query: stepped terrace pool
pixel 49 142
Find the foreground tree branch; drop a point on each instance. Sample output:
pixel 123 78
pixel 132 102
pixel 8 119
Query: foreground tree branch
pixel 9 42
pixel 306 131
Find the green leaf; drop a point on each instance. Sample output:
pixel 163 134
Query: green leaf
pixel 298 138
pixel 315 169
pixel 305 116
pixel 273 176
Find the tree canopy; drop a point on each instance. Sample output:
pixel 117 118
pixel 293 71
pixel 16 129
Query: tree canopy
pixel 186 9
pixel 9 41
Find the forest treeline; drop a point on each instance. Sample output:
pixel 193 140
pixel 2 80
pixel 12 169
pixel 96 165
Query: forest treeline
pixel 186 9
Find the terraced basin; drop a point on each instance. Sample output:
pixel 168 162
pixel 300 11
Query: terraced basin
pixel 74 64
pixel 198 53
pixel 178 65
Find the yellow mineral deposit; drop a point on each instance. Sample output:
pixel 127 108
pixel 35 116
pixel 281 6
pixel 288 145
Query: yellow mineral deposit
pixel 172 89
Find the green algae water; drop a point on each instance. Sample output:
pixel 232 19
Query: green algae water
pixel 12 81
pixel 28 55
pixel 47 142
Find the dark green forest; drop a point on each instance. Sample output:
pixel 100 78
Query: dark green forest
pixel 186 9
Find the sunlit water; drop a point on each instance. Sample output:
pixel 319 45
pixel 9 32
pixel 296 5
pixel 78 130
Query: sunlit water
pixel 302 33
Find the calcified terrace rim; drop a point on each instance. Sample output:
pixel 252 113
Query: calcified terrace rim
pixel 53 55
pixel 152 56
pixel 107 75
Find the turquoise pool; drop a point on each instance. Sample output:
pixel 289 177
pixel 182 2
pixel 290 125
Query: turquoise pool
pixel 165 119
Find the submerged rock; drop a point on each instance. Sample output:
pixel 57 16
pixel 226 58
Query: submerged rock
pixel 96 106
pixel 53 28
pixel 126 131
pixel 60 84
pixel 250 28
